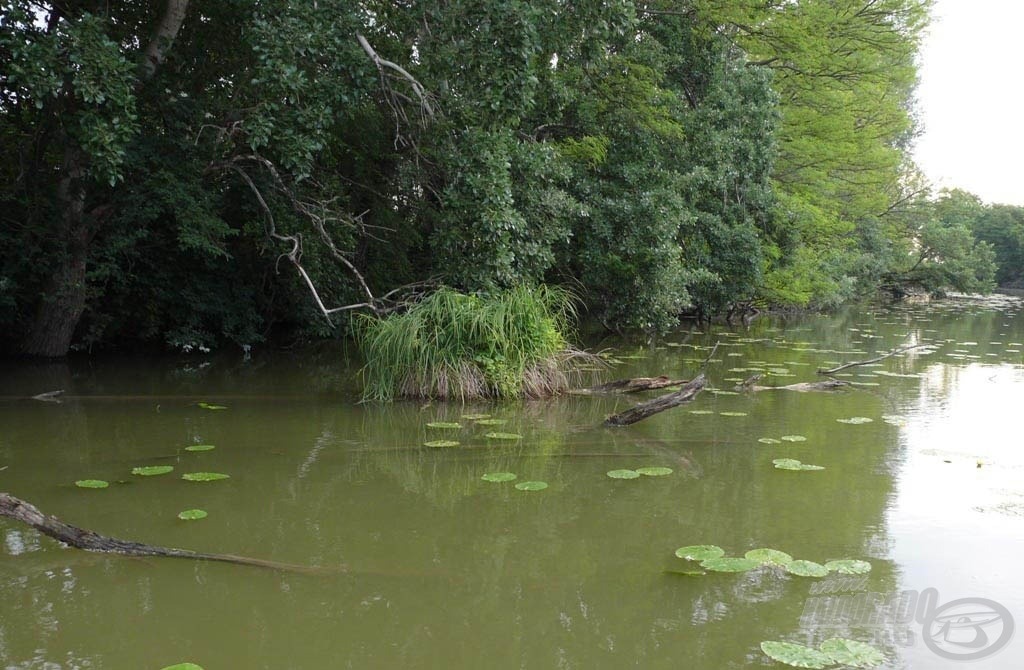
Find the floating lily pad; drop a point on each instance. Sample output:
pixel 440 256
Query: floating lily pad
pixel 856 420
pixel 793 438
pixel 200 447
pixel 441 443
pixel 806 569
pixel 729 564
pixel 700 552
pixel 206 405
pixel 732 413
pixel 183 666
pixel 475 417
pixel 491 422
pixel 687 573
pixel 852 653
pixel 623 474
pixel 769 557
pixel 204 476
pixel 92 484
pixel 796 655
pixel 498 476
pixel 443 424
pixel 654 471
pixel 532 486
pixel 701 411
pixel 503 436
pixel 152 470
pixel 849 567
pixel 787 463
pixel 768 440
pixel 192 514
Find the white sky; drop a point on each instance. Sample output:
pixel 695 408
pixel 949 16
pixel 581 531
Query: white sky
pixel 971 99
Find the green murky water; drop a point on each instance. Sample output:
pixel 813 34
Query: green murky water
pixel 447 570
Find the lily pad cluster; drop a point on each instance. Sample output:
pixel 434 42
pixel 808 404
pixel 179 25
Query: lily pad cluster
pixel 712 558
pixel 500 477
pixel 793 464
pixel 478 420
pixel 834 651
pixel 656 471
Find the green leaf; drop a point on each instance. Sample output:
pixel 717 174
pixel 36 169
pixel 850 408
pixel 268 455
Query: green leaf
pixel 204 476
pixel 849 567
pixel 503 436
pixel 206 405
pixel 654 471
pixel 498 476
pixel 192 515
pixel 443 424
pixel 441 443
pixel 769 557
pixel 729 564
pixel 200 447
pixel 796 655
pixel 793 438
pixel 768 440
pixel 852 653
pixel 732 413
pixel 532 486
pixel 803 568
pixel 91 484
pixel 687 573
pixel 152 470
pixel 700 552
pixel 856 420
pixel 787 463
pixel 183 666
pixel 701 411
pixel 623 474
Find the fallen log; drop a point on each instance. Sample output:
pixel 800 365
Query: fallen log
pixel 20 510
pixel 898 350
pixel 634 385
pixel 645 409
pixel 802 387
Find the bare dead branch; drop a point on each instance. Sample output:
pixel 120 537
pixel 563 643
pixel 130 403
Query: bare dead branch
pixel 898 350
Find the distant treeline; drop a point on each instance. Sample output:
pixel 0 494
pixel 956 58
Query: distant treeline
pixel 191 174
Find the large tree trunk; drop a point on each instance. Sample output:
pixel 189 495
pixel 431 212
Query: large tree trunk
pixel 60 307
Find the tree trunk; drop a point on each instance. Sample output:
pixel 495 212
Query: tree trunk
pixel 60 307
pixel 659 404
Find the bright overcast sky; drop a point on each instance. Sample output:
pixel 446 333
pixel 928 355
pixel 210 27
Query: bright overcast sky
pixel 971 99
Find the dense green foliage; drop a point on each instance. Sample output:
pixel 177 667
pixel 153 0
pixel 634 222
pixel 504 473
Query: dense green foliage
pixel 507 343
pixel 188 174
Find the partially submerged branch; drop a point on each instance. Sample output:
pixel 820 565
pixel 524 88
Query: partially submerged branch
pixel 634 385
pixel 645 409
pixel 898 350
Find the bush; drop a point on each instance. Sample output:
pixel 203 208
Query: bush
pixel 452 345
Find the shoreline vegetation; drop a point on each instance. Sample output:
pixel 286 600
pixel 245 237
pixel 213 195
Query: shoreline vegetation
pixel 187 177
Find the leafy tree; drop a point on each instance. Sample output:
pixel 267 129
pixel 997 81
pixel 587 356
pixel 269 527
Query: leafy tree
pixel 1002 226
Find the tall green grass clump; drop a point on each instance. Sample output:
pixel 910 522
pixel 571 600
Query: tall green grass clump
pixel 504 344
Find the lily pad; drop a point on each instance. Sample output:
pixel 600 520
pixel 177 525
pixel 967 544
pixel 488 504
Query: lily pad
pixel 852 653
pixel 443 424
pixel 856 420
pixel 687 573
pixel 441 443
pixel 204 476
pixel 806 569
pixel 729 564
pixel 768 440
pixel 700 552
pixel 732 413
pixel 532 486
pixel 475 417
pixel 701 411
pixel 769 557
pixel 503 436
pixel 206 405
pixel 793 438
pixel 200 447
pixel 654 471
pixel 498 476
pixel 491 422
pixel 623 474
pixel 192 514
pixel 796 655
pixel 787 463
pixel 152 470
pixel 91 484
pixel 183 666
pixel 849 567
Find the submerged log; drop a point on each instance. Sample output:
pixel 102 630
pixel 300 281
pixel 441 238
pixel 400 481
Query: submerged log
pixel 645 409
pixel 633 385
pixel 898 350
pixel 20 510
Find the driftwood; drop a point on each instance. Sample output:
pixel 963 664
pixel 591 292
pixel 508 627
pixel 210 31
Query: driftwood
pixel 634 385
pixel 898 350
pixel 20 510
pixel 645 409
pixel 803 387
